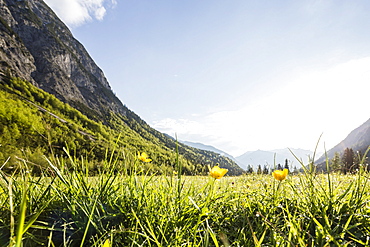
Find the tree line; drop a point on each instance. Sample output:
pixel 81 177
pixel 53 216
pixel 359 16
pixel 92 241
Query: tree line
pixel 266 169
pixel 349 161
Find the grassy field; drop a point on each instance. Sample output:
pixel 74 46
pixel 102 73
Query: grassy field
pixel 128 208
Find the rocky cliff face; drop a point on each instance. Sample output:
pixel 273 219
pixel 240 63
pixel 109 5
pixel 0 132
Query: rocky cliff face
pixel 36 46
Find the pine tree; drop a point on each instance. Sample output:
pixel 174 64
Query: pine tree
pixel 279 167
pixel 348 160
pixel 336 162
pixel 249 169
pixel 286 164
pixel 259 169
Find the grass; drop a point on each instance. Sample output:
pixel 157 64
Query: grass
pixel 124 207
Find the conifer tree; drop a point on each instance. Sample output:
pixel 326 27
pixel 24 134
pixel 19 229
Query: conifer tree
pixel 348 160
pixel 249 169
pixel 286 164
pixel 259 169
pixel 279 167
pixel 336 163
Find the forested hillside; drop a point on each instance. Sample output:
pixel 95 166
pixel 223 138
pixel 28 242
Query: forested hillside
pixel 54 96
pixel 34 123
pixel 355 145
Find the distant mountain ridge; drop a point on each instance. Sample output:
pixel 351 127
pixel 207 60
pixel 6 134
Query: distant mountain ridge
pixel 275 157
pixel 209 148
pixel 261 157
pixel 36 46
pixel 358 140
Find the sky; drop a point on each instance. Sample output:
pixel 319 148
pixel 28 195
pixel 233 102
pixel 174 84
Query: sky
pixel 239 75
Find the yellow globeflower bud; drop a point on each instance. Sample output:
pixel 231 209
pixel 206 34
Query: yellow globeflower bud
pixel 280 174
pixel 143 157
pixel 107 243
pixel 217 172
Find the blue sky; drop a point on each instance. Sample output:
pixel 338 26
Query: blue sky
pixel 239 75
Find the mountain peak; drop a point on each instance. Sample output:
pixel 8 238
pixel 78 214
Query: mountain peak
pixel 52 58
pixel 37 47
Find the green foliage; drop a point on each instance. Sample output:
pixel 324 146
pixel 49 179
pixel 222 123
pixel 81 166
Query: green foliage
pixel 129 207
pixel 336 163
pixel 33 120
pixel 348 162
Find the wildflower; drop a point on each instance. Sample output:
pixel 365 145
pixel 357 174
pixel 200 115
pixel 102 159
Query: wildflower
pixel 143 157
pixel 217 172
pixel 107 243
pixel 280 174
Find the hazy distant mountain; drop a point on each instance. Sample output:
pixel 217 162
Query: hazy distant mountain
pixel 209 148
pixel 358 140
pixel 37 47
pixel 261 157
pixel 204 147
pixel 278 156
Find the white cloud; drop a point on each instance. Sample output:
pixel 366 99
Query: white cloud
pixel 330 101
pixel 99 13
pixel 77 12
pixel 179 126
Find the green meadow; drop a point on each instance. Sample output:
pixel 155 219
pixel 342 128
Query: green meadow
pixel 78 168
pixel 124 206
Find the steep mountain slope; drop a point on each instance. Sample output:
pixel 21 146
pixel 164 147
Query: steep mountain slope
pixel 55 61
pixel 358 140
pixel 37 47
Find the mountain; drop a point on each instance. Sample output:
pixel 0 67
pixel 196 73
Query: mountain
pixel 209 148
pixel 38 47
pixel 203 147
pixel 274 157
pixel 52 81
pixel 358 139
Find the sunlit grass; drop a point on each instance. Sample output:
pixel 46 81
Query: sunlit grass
pixel 128 208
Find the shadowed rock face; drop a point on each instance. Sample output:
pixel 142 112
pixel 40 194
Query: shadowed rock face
pixel 37 46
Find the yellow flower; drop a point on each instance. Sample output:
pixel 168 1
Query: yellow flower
pixel 217 172
pixel 280 175
pixel 143 157
pixel 107 243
